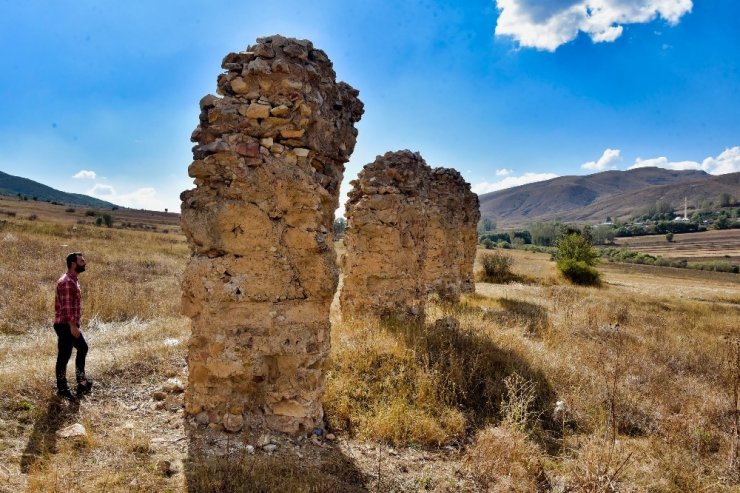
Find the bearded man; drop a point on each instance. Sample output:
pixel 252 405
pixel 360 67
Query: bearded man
pixel 67 314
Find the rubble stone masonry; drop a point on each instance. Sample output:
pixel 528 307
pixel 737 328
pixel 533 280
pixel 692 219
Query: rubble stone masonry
pixel 411 231
pixel 268 164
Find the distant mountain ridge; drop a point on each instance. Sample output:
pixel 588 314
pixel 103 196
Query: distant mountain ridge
pixel 591 198
pixel 14 185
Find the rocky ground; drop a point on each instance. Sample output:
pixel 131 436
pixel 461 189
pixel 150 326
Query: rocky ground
pixel 134 437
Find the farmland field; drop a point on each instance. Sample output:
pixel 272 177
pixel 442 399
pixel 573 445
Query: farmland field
pixel 709 245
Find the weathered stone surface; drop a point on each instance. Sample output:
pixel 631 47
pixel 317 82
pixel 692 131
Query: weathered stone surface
pixel 268 162
pixel 411 231
pixel 451 235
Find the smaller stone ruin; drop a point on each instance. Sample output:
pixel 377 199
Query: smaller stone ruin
pixel 268 163
pixel 411 231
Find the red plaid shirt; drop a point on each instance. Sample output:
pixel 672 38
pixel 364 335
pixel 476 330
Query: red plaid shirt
pixel 68 301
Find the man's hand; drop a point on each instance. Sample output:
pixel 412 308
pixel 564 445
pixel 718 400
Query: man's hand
pixel 75 330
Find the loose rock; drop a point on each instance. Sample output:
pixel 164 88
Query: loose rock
pixel 173 385
pixel 72 431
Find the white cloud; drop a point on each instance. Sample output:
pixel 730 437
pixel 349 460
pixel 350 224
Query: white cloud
pixel 511 181
pixel 99 190
pixel 504 172
pixel 85 175
pixel 142 198
pixel 608 160
pixel 727 162
pixel 547 24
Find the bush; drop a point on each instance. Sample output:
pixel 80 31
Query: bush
pixel 496 267
pixel 33 217
pixel 107 219
pixel 90 213
pixel 576 247
pixel 579 272
pixel 69 209
pixel 669 237
pixel 503 244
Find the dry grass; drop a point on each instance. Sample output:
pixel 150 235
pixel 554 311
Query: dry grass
pixel 644 371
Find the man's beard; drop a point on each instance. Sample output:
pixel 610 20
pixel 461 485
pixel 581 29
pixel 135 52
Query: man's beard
pixel 79 268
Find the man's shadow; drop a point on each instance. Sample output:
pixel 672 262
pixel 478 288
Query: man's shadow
pixel 43 439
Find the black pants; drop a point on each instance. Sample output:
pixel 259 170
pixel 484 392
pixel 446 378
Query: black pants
pixel 65 342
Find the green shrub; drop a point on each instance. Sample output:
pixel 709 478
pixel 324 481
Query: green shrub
pixel 669 237
pixel 576 247
pixel 107 219
pixel 503 244
pixel 716 266
pixel 579 272
pixel 90 213
pixel 496 267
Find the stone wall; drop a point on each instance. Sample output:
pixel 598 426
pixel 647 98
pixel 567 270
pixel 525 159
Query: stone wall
pixel 411 231
pixel 267 166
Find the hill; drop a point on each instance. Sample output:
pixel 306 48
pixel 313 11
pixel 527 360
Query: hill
pixel 14 185
pixel 592 198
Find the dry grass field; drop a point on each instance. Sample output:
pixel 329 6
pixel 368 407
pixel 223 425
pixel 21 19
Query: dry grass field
pixel 538 386
pixel 718 244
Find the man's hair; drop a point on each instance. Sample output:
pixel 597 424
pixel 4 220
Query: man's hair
pixel 71 258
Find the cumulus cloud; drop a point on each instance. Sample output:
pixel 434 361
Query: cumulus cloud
pixel 85 174
pixel 608 160
pixel 142 198
pixel 100 189
pixel 511 181
pixel 727 162
pixel 547 24
pixel 504 172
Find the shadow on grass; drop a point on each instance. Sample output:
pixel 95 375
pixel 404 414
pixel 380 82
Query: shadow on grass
pixel 316 470
pixel 472 368
pixel 531 316
pixel 43 439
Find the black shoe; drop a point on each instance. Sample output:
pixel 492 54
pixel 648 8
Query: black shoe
pixel 66 394
pixel 84 387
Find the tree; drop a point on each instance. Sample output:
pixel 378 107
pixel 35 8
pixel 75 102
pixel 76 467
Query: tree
pixel 486 224
pixel 725 199
pixel 576 258
pixel 576 247
pixel 669 237
pixel 107 219
pixel 544 234
pixel 602 234
pixel 722 222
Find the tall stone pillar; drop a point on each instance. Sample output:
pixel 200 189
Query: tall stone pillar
pixel 268 163
pixel 386 238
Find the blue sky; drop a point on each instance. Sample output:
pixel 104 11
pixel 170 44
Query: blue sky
pixel 506 91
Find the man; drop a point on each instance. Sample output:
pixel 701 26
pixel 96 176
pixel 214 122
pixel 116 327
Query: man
pixel 67 314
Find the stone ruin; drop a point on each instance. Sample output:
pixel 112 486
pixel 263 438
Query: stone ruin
pixel 268 164
pixel 411 232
